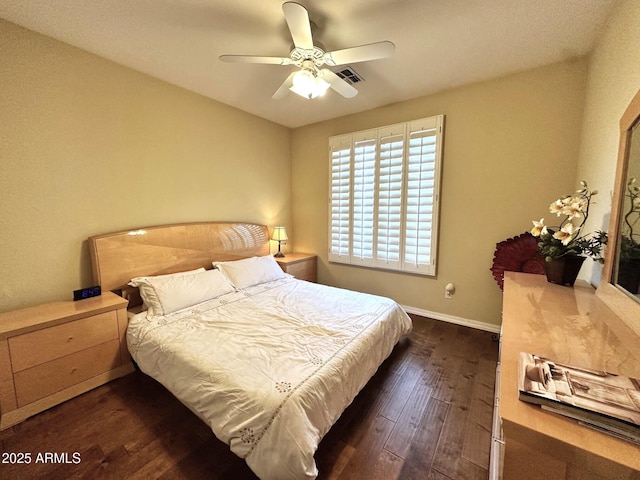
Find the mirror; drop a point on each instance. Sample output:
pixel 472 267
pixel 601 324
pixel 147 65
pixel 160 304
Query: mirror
pixel 618 288
pixel 626 270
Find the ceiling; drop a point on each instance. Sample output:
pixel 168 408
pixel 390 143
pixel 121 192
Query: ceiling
pixel 439 43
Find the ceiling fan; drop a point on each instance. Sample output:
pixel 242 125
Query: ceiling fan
pixel 312 81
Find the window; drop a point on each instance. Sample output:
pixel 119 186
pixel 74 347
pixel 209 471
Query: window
pixel 384 196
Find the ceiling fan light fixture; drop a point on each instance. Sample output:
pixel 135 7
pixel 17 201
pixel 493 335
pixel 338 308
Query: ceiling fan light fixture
pixel 312 81
pixel 308 84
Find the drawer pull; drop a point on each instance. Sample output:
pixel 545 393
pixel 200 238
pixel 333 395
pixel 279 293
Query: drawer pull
pixel 69 339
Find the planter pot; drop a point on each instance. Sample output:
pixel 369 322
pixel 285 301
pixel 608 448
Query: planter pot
pixel 564 270
pixel 629 275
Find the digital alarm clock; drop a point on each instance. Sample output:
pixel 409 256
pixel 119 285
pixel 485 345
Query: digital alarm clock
pixel 86 293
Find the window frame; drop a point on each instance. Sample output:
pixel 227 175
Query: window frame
pixel 347 188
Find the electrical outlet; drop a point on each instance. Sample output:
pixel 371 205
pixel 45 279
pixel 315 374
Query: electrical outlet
pixel 449 290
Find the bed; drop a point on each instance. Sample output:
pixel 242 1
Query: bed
pixel 269 362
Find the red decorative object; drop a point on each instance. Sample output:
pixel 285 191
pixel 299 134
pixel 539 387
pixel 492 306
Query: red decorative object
pixel 517 254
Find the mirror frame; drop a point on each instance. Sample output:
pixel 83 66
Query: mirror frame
pixel 622 304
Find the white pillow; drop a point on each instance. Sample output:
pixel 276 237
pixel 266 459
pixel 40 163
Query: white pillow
pixel 167 275
pixel 164 294
pixel 251 271
pixel 137 281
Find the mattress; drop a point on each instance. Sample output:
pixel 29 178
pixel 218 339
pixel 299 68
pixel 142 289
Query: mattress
pixel 270 368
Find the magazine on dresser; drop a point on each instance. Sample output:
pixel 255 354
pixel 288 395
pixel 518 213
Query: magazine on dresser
pixel 601 400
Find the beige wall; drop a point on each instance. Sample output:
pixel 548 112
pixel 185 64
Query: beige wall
pixel 613 80
pixel 511 147
pixel 89 147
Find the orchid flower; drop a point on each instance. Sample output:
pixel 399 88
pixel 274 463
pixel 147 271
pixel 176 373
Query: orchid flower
pixel 556 207
pixel 574 209
pixel 539 228
pixel 565 234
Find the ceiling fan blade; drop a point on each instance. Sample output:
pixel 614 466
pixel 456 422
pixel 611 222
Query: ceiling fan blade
pixel 255 59
pixel 284 88
pixel 297 19
pixel 363 53
pixel 338 84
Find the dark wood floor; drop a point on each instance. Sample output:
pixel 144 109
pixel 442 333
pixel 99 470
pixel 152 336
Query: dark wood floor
pixel 426 414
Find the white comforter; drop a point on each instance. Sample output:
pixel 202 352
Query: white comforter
pixel 270 368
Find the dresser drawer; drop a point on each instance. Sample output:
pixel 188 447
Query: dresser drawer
pixel 48 378
pixel 34 348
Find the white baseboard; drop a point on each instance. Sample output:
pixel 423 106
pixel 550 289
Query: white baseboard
pixel 488 327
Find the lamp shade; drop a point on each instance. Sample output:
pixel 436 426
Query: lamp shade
pixel 279 234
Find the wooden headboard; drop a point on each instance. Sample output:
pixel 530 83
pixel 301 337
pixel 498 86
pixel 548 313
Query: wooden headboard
pixel 118 257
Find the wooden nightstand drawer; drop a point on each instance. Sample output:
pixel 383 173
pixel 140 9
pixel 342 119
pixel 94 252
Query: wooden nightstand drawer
pixel 300 265
pixel 303 271
pixel 51 377
pixel 34 348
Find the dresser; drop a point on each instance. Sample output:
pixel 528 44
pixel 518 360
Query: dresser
pixel 301 265
pixel 53 352
pixel 571 326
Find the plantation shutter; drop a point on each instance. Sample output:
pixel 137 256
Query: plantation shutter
pixel 384 198
pixel 420 195
pixel 340 232
pixel 389 219
pixel 364 169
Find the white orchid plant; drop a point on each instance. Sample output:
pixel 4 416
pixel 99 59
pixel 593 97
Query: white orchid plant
pixel 567 238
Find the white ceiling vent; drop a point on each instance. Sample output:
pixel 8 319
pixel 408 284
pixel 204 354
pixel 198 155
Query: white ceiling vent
pixel 349 74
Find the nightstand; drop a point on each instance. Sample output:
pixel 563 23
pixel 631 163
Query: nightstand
pixel 53 352
pixel 300 265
